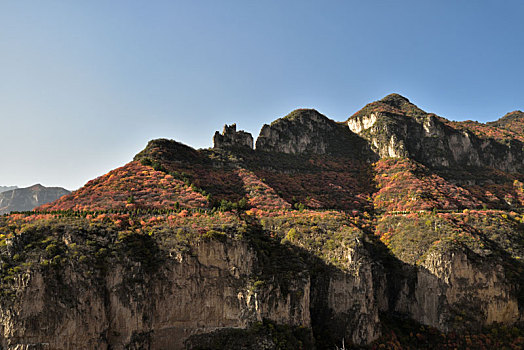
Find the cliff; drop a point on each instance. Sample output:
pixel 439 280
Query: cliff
pixel 306 131
pixel 396 128
pixel 125 290
pixel 230 137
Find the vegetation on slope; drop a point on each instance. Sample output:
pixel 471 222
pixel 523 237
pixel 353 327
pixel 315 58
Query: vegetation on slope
pixel 393 104
pixel 301 211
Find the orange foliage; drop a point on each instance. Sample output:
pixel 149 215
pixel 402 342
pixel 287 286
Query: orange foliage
pixel 131 186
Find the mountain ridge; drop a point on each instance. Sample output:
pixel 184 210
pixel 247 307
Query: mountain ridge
pixel 24 199
pixel 7 188
pixel 367 233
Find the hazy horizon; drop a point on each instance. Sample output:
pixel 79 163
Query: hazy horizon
pixel 85 86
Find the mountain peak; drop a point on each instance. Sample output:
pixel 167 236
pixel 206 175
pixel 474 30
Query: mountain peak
pixel 391 104
pixel 512 121
pixel 513 115
pixel 305 131
pixel 23 199
pixel 395 100
pixel 161 150
pixel 303 113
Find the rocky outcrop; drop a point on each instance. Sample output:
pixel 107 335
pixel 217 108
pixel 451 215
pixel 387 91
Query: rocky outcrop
pixel 306 131
pixel 192 293
pixel 449 291
pixel 211 288
pixel 23 199
pixel 344 304
pixel 230 137
pixel 396 128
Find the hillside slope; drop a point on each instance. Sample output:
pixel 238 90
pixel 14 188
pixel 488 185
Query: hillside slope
pixel 396 228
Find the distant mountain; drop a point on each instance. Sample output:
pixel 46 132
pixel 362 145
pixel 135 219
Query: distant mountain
pixel 7 188
pixel 22 199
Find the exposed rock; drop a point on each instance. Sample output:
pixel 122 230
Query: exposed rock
pixel 344 305
pixel 307 131
pixel 23 199
pixel 195 294
pixel 230 137
pixel 451 292
pixel 396 128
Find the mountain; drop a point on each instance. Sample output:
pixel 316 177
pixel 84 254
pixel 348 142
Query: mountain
pixel 396 128
pixel 396 228
pixel 23 199
pixel 7 188
pixel 512 122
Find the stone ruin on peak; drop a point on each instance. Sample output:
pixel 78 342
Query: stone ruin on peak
pixel 230 137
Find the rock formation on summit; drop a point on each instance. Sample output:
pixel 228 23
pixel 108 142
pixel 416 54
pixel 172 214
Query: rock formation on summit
pixel 306 131
pixel 230 137
pixel 394 127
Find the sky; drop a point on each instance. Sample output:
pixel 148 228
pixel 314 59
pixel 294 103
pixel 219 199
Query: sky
pixel 84 85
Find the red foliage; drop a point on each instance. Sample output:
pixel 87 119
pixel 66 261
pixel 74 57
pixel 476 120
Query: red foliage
pixel 131 186
pixel 405 185
pixel 259 194
pixel 489 131
pixel 329 183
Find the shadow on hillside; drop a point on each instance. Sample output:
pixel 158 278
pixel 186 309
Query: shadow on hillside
pixel 282 263
pixel 339 180
pixel 400 289
pixel 513 268
pixel 480 181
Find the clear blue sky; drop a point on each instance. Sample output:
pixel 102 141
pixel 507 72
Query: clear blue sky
pixel 85 84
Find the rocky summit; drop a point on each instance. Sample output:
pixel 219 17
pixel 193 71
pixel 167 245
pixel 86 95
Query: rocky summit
pixel 396 228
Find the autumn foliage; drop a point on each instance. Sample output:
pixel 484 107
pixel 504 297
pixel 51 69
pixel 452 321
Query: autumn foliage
pixel 131 186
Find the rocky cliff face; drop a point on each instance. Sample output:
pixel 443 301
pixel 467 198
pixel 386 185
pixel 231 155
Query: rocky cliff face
pixel 188 297
pixel 23 199
pixel 306 131
pixel 159 297
pixel 347 301
pixel 231 138
pixel 396 128
pixel 449 291
pixel 190 294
